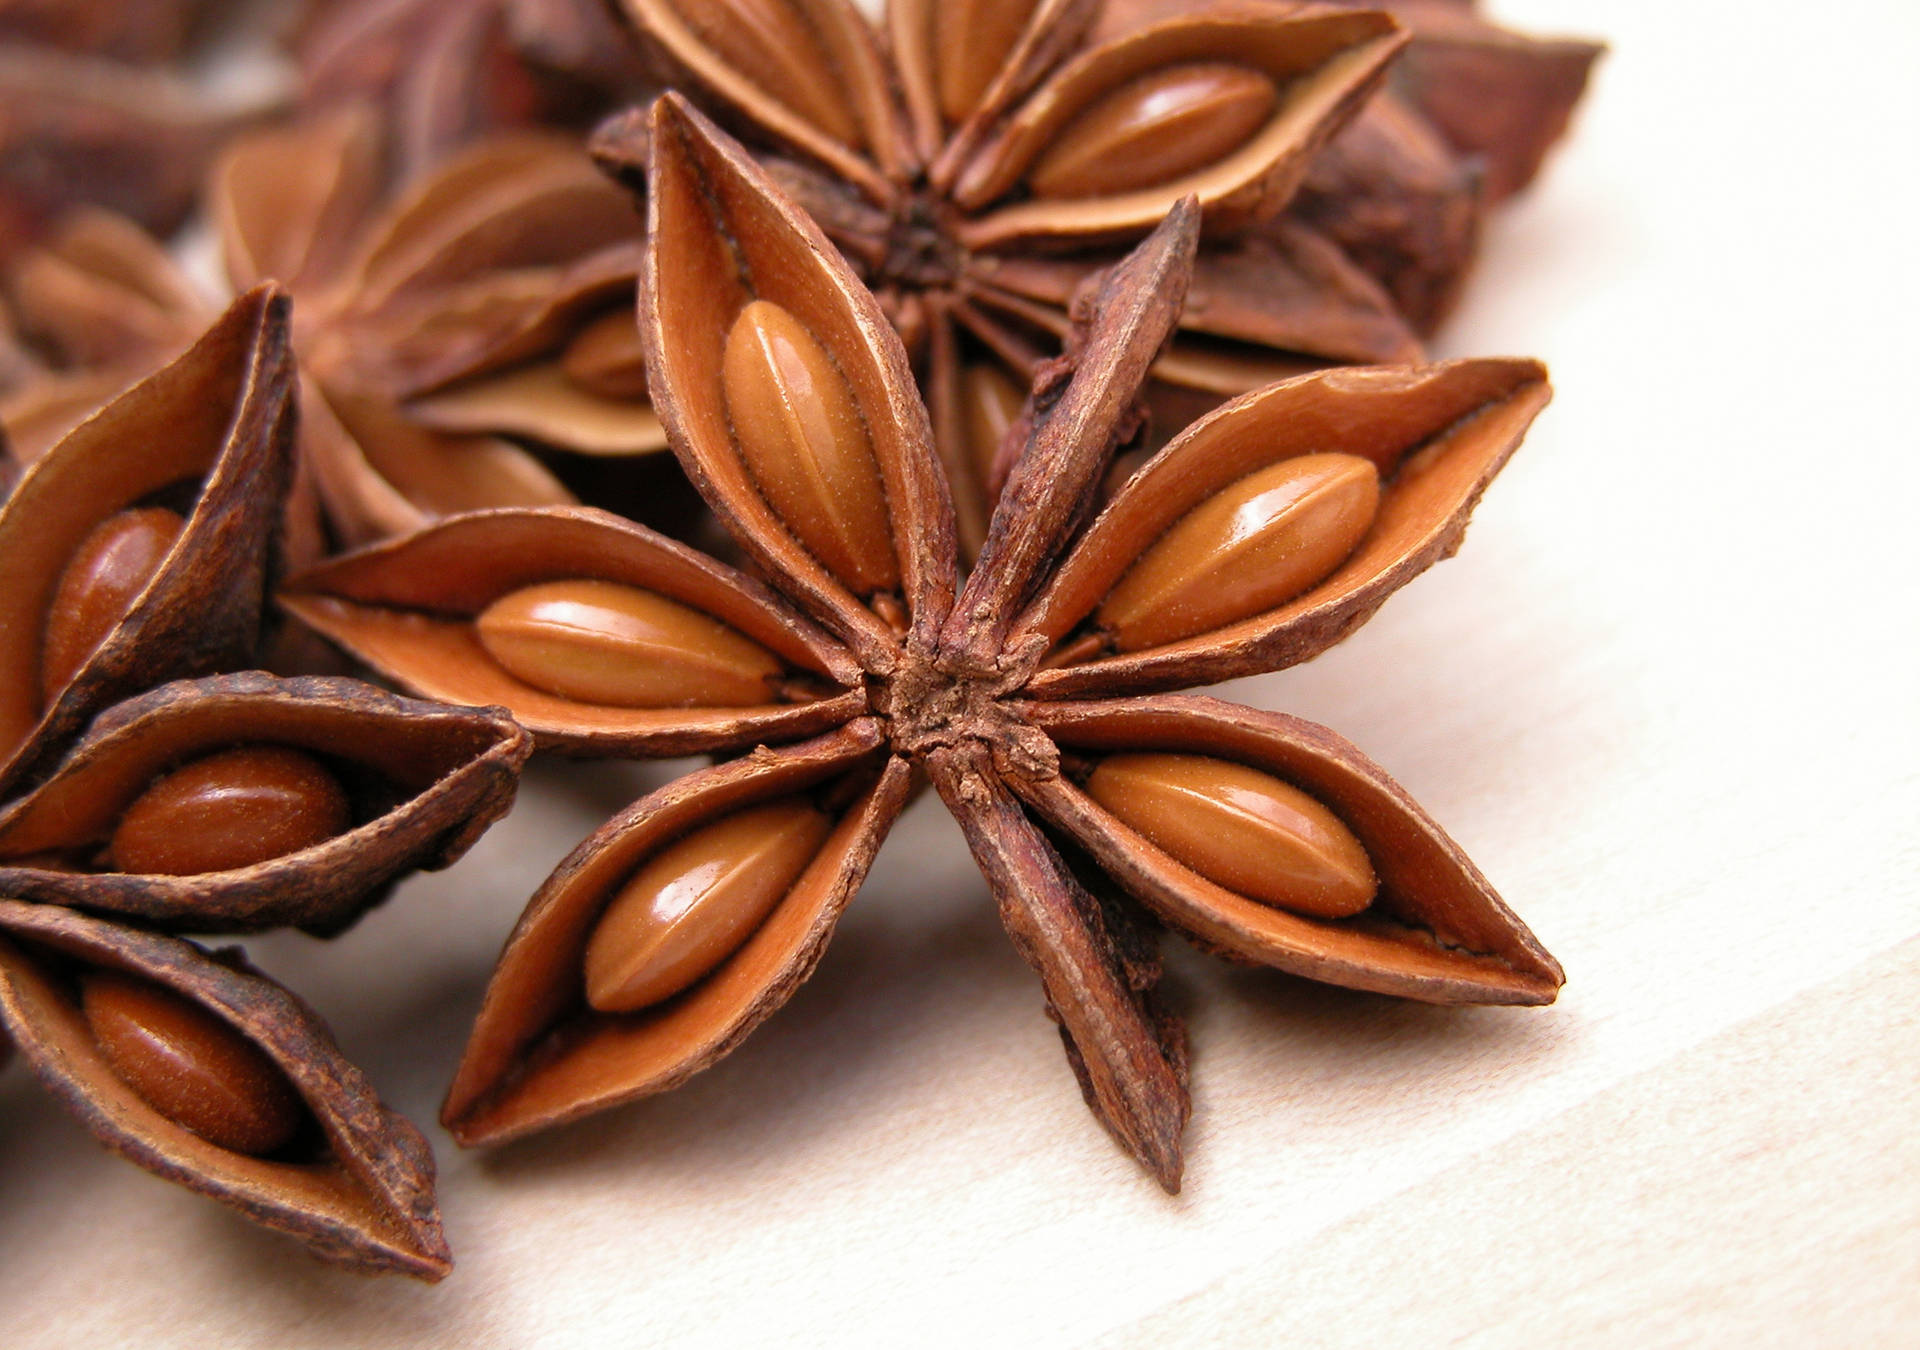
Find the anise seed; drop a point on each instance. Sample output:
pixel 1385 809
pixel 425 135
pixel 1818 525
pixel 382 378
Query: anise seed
pixel 110 568
pixel 231 809
pixel 692 905
pixel 607 643
pixel 189 1065
pixel 1241 829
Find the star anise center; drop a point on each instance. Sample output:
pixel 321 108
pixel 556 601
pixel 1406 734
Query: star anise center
pixel 921 252
pixel 927 708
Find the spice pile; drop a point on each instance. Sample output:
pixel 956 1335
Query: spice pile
pixel 1024 363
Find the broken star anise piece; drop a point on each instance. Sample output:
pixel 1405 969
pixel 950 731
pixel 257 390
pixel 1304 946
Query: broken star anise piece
pixel 205 1072
pixel 690 917
pixel 976 159
pixel 138 549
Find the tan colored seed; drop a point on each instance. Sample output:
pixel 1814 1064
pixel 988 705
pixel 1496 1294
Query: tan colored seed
pixel 807 447
pixel 771 43
pixel 106 573
pixel 1241 829
pixel 621 646
pixel 229 809
pixel 1155 128
pixel 993 403
pixel 971 41
pixel 1262 541
pixel 605 357
pixel 697 901
pixel 190 1065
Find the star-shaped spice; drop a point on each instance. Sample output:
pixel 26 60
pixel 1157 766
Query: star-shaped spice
pixel 976 159
pixel 142 798
pixel 1031 697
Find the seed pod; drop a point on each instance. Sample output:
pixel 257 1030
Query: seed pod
pixel 231 809
pixel 210 774
pixel 605 356
pixel 408 609
pixel 772 43
pixel 724 887
pixel 807 447
pixel 972 39
pixel 189 1065
pixel 694 903
pixel 602 642
pixel 1162 125
pixel 1274 534
pixel 107 572
pixel 1240 828
pixel 208 1074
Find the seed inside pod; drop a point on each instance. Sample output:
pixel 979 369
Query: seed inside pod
pixel 607 643
pixel 1241 829
pixel 971 41
pixel 1263 540
pixel 993 402
pixel 772 43
pixel 806 445
pixel 694 903
pixel 190 1065
pixel 605 357
pixel 229 809
pixel 110 568
pixel 1155 128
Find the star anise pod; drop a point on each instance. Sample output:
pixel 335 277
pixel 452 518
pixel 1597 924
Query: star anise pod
pixel 976 159
pixel 1033 698
pixel 136 552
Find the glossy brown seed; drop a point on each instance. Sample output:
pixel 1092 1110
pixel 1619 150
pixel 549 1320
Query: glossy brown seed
pixel 807 447
pixel 971 41
pixel 993 402
pixel 771 43
pixel 692 905
pixel 190 1065
pixel 230 809
pixel 1241 829
pixel 1258 543
pixel 1155 128
pixel 106 573
pixel 621 646
pixel 605 357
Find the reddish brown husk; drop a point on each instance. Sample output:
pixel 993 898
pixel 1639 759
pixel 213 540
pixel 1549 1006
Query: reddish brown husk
pixel 956 686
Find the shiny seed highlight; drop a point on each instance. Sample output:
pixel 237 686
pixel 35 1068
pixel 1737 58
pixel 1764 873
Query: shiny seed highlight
pixel 190 1065
pixel 230 809
pixel 1241 829
pixel 693 904
pixel 620 646
pixel 806 445
pixel 1265 539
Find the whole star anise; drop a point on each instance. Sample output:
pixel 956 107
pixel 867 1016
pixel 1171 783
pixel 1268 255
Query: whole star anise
pixel 137 804
pixel 976 159
pixel 1030 697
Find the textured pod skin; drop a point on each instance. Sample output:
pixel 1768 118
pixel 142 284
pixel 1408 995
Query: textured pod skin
pixel 367 1204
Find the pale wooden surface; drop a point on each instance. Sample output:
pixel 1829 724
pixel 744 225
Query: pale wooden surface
pixel 1665 697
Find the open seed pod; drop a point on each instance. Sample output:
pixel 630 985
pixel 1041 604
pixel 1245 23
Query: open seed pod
pixel 673 931
pixel 136 550
pixel 794 406
pixel 209 1074
pixel 972 266
pixel 242 802
pixel 1246 544
pixel 1409 915
pixel 1206 105
pixel 599 636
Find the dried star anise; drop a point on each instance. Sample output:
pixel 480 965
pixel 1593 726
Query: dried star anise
pixel 1031 698
pixel 976 159
pixel 138 551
